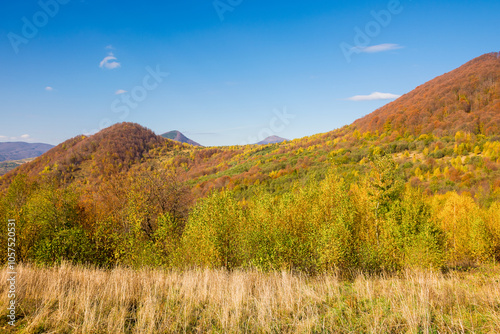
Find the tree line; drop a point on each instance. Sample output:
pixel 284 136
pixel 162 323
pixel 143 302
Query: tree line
pixel 149 218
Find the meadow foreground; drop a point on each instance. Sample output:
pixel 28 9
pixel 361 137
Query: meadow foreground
pixel 74 299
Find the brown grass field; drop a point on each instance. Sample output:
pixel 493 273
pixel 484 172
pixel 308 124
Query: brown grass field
pixel 72 299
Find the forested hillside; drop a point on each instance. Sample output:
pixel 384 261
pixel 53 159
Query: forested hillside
pixel 384 194
pixel 465 99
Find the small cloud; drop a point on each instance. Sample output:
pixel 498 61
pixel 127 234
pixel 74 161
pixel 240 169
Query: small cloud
pixel 109 47
pixel 49 89
pixel 120 91
pixel 379 48
pixel 110 62
pixel 25 137
pixel 374 96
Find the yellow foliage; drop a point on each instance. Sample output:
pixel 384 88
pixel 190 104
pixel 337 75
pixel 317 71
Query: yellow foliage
pixel 466 232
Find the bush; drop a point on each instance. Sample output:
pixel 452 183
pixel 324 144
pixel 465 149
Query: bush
pixel 71 245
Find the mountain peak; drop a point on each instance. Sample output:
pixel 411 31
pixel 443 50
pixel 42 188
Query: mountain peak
pixel 272 140
pixel 179 137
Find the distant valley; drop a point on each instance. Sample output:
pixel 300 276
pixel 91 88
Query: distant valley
pixel 6 166
pixel 14 154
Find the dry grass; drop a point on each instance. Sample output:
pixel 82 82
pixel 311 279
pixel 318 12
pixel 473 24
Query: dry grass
pixel 70 299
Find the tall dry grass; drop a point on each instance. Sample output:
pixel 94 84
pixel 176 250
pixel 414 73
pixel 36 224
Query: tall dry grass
pixel 70 299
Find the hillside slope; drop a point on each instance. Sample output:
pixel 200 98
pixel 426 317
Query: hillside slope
pixel 465 99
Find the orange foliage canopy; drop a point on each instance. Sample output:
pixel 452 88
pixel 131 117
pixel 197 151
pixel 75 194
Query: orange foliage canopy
pixel 465 99
pixel 112 150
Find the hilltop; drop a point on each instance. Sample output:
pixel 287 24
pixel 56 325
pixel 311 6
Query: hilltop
pixel 113 150
pixel 272 140
pixel 179 137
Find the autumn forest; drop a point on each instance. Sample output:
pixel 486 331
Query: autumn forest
pixel 414 186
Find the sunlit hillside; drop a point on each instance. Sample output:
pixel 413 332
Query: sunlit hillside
pixel 343 216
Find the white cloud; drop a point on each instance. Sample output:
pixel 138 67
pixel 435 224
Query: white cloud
pixel 110 62
pixel 379 48
pixel 120 91
pixel 374 96
pixel 25 137
pixel 49 89
pixel 109 47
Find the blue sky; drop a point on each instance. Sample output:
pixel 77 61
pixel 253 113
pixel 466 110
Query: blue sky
pixel 227 71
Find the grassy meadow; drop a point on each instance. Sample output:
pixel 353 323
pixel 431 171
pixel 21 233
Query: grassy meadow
pixel 78 299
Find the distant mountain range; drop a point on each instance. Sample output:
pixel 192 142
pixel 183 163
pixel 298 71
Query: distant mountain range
pixel 21 150
pixel 179 137
pixel 272 140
